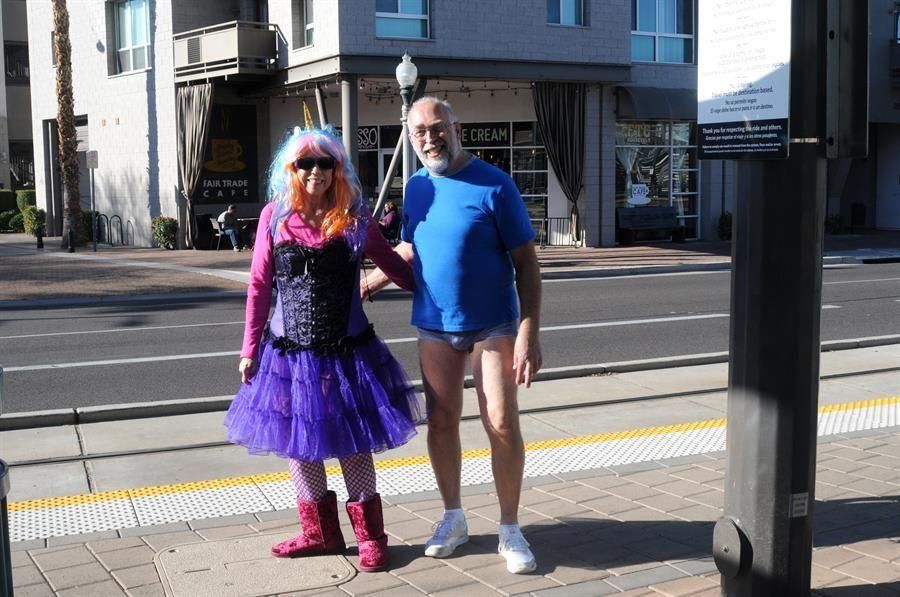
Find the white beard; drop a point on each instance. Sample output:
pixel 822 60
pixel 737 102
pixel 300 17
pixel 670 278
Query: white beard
pixel 436 165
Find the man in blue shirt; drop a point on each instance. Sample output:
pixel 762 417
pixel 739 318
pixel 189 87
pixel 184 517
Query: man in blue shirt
pixel 467 234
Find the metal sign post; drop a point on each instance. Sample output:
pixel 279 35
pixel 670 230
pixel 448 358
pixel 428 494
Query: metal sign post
pixel 92 163
pixel 755 107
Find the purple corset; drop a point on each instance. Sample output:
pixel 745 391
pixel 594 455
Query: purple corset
pixel 316 287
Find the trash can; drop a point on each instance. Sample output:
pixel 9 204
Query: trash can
pixel 6 583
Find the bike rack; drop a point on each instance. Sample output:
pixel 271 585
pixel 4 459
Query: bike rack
pixel 103 224
pixel 112 221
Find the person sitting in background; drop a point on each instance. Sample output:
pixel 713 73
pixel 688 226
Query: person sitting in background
pixel 389 224
pixel 228 221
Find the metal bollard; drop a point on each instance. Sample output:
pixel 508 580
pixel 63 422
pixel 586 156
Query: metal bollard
pixel 39 233
pixel 71 241
pixel 6 582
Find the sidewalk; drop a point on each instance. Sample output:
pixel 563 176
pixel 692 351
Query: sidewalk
pixel 612 513
pixel 127 271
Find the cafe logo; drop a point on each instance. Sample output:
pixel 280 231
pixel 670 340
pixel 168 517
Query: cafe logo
pixel 640 194
pixel 226 156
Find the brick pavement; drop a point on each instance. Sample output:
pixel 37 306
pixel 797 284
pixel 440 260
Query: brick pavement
pixel 634 530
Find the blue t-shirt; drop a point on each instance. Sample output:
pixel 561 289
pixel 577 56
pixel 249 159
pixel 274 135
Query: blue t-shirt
pixel 462 228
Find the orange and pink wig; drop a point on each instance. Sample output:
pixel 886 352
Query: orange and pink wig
pixel 288 195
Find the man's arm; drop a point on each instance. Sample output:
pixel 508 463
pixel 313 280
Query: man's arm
pixel 376 279
pixel 527 357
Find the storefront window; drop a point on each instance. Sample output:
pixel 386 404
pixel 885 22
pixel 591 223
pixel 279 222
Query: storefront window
pixel 515 148
pixel 376 149
pixel 656 165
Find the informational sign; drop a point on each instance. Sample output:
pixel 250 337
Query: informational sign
pixel 229 168
pixel 743 78
pixel 93 159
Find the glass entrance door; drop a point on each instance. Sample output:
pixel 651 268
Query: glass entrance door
pixel 395 190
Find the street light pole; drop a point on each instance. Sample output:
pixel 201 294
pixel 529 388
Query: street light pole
pixel 406 78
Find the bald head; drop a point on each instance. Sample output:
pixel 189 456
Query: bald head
pixel 437 104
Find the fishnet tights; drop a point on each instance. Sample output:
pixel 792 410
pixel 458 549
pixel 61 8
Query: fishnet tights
pixel 311 483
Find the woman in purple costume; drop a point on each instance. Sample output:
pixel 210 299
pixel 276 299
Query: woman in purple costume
pixel 316 381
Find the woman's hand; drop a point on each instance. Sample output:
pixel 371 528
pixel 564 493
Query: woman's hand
pixel 247 367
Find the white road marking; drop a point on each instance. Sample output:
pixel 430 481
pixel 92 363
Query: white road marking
pixel 863 281
pixel 831 306
pixel 173 357
pixel 115 330
pixel 609 324
pixel 633 276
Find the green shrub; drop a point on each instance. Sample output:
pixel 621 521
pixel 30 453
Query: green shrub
pixel 16 223
pixel 84 226
pixel 25 198
pixel 725 225
pixel 33 217
pixel 5 217
pixel 7 200
pixel 165 230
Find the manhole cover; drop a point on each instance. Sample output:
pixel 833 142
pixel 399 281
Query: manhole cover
pixel 242 567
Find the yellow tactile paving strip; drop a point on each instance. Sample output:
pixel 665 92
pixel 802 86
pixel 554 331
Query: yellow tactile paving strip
pixel 220 497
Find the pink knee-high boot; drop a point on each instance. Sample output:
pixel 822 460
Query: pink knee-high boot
pixel 368 525
pixel 320 530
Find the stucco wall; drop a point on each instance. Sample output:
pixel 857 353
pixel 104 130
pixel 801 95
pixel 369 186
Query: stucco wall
pixel 130 116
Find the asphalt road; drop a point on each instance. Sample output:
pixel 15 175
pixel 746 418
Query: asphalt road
pixel 110 354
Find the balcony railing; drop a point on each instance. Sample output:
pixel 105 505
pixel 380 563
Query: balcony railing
pixel 237 49
pixel 895 64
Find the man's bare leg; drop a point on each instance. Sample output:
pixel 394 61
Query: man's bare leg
pixel 492 368
pixel 443 372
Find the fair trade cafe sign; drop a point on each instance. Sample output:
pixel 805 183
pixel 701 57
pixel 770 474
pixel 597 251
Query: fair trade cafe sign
pixel 743 79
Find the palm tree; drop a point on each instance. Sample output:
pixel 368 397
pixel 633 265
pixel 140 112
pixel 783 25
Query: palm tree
pixel 65 118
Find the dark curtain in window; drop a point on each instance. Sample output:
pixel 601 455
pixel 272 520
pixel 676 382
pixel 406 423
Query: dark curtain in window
pixel 560 117
pixel 194 103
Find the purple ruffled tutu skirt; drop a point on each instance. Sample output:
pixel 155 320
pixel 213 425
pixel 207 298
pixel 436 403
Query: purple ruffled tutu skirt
pixel 311 407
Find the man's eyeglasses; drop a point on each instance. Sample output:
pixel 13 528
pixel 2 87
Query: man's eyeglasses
pixel 436 130
pixel 324 163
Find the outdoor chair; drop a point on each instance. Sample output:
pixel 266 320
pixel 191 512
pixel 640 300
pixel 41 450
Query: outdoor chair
pixel 218 232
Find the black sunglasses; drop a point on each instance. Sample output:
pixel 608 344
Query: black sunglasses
pixel 324 163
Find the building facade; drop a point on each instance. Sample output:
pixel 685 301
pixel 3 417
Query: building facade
pixel 865 192
pixel 268 61
pixel 16 148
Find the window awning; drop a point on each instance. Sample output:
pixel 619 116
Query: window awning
pixel 656 103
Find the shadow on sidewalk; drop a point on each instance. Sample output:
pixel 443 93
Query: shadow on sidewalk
pixel 602 544
pixel 890 589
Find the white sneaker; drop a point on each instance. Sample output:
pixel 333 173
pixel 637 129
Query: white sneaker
pixel 514 547
pixel 451 532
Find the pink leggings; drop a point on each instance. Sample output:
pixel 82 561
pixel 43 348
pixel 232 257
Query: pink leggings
pixel 311 483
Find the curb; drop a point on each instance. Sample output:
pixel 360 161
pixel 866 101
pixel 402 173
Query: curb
pixel 145 410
